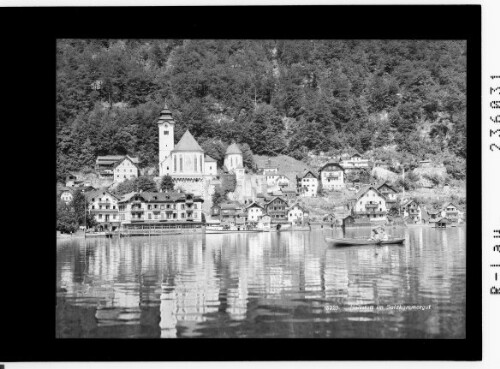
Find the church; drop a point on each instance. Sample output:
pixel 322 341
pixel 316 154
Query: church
pixel 186 162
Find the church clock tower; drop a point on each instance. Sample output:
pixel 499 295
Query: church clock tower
pixel 166 126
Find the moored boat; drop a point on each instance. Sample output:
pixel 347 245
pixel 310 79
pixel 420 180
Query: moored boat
pixel 362 241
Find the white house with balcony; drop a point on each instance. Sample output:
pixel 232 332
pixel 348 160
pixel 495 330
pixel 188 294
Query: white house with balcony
pixel 307 183
pixel 104 207
pixel 332 176
pixel 370 204
pixel 254 212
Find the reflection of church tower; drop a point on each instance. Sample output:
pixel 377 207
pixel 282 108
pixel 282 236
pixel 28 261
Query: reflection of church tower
pixel 233 158
pixel 166 126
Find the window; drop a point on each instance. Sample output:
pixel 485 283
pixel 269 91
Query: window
pixel 114 216
pixel 100 216
pixel 165 133
pixel 149 215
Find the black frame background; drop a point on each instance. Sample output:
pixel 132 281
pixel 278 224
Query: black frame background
pixel 29 44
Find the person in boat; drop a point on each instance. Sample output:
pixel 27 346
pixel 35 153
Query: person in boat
pixel 378 234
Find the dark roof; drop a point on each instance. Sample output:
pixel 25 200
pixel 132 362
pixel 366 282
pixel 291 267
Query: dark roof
pixel 304 173
pixel 365 189
pixel 208 159
pixel 332 163
pixel 123 159
pixel 385 184
pixel 97 193
pixel 231 205
pixel 165 116
pixel 296 204
pixel 187 143
pixel 442 220
pixel 255 204
pixel 277 197
pixel 111 159
pixel 158 196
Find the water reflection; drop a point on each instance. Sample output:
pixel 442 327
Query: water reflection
pixel 261 285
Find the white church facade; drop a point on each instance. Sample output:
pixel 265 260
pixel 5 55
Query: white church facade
pixel 185 161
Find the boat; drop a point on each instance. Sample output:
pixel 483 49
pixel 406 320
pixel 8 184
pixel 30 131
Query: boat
pixel 362 241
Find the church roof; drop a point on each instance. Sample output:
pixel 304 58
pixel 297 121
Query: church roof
pixel 187 143
pixel 233 149
pixel 208 158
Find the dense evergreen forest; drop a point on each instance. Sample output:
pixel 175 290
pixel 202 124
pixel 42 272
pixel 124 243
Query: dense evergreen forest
pixel 279 97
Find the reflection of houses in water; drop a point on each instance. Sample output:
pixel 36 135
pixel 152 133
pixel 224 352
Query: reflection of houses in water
pixel 237 297
pixel 336 275
pixel 120 307
pixel 191 294
pixel 312 276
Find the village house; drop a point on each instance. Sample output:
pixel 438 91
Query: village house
pixel 296 213
pixel 125 169
pixel 268 167
pixel 160 210
pixel 105 165
pixel 332 176
pixel 66 195
pixel 450 212
pixel 355 162
pixel 329 218
pixel 264 223
pixel 185 161
pixel 104 207
pixel 254 212
pixel 433 215
pixel 307 183
pixel 215 212
pixel 370 205
pixel 289 194
pixel 410 210
pixel 232 213
pixel 277 179
pixel 277 210
pixel 390 194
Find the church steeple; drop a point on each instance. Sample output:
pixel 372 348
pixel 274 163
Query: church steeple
pixel 166 116
pixel 166 125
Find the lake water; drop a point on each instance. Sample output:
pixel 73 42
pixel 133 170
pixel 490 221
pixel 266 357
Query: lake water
pixel 289 284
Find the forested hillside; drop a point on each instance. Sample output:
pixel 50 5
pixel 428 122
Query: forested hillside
pixel 279 97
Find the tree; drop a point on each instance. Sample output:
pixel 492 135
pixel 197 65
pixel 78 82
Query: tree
pixel 79 205
pixel 146 184
pixel 218 196
pixel 167 183
pixel 67 221
pixel 126 186
pixel 90 220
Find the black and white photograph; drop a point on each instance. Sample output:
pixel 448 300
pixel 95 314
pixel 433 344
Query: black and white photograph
pixel 261 188
pixel 274 184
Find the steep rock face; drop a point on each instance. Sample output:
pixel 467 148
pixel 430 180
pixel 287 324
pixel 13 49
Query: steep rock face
pixel 383 174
